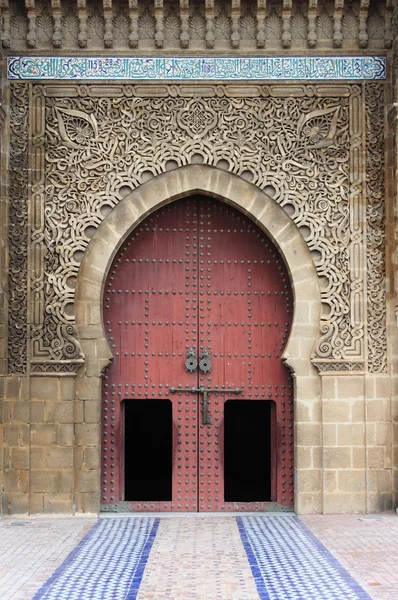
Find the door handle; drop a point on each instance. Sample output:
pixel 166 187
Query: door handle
pixel 206 419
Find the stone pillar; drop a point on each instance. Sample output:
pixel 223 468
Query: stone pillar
pixel 308 446
pixel 378 442
pixel 16 459
pixel 52 445
pixel 344 441
pixel 87 461
pixel 356 438
pixel 3 258
pixel 392 176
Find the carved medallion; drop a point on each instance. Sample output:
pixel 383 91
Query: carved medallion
pixel 196 118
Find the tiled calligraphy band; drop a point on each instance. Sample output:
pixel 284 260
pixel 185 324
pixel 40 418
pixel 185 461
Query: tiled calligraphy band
pixel 333 68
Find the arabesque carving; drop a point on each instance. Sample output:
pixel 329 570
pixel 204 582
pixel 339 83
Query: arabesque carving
pixel 18 231
pixel 299 143
pixel 2 111
pixel 97 148
pixel 53 333
pixel 375 220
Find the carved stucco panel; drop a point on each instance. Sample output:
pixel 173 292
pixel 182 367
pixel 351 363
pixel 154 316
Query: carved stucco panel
pixel 301 145
pixel 18 230
pixel 376 238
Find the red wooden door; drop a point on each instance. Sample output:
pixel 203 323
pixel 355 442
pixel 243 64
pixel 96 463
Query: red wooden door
pixel 197 276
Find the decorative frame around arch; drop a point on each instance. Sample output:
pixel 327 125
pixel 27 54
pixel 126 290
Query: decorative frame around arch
pixel 270 217
pixel 340 214
pixel 210 181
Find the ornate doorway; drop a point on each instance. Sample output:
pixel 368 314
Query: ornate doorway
pixel 197 404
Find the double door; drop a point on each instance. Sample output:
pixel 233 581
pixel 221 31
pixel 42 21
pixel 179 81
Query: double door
pixel 197 404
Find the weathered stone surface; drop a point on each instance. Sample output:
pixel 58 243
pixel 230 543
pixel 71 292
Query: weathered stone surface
pixel 207 29
pixel 337 458
pixel 346 431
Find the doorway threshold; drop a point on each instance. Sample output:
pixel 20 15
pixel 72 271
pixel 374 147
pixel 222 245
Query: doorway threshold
pixel 150 508
pixel 190 515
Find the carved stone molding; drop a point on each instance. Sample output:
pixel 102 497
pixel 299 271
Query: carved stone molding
pixel 393 127
pixel 2 114
pixel 296 142
pixel 335 367
pixel 212 25
pixel 2 111
pixel 18 231
pixel 375 227
pixel 300 143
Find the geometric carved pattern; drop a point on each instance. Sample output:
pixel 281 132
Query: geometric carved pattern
pixel 375 223
pixel 18 231
pixel 299 143
pixel 339 366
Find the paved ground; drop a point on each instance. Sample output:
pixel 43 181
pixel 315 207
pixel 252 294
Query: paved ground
pixel 200 558
pixel 366 545
pixel 30 553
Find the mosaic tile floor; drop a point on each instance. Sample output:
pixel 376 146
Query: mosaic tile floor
pixel 289 562
pixel 107 564
pixel 243 558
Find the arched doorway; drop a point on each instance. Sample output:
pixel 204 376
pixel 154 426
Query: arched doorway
pixel 196 299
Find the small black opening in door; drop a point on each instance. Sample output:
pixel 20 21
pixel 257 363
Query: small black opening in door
pixel 247 450
pixel 148 450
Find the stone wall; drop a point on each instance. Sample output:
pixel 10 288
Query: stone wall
pixel 357 443
pixel 392 179
pixel 340 212
pixel 3 261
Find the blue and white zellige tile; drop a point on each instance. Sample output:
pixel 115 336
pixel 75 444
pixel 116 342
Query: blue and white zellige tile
pixel 108 564
pixel 289 563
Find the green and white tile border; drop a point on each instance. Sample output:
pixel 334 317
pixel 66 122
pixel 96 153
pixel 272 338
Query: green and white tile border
pixel 197 68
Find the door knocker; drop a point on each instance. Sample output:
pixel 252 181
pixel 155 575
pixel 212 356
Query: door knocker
pixel 191 363
pixel 205 362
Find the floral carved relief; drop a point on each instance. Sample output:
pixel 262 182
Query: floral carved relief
pixel 301 148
